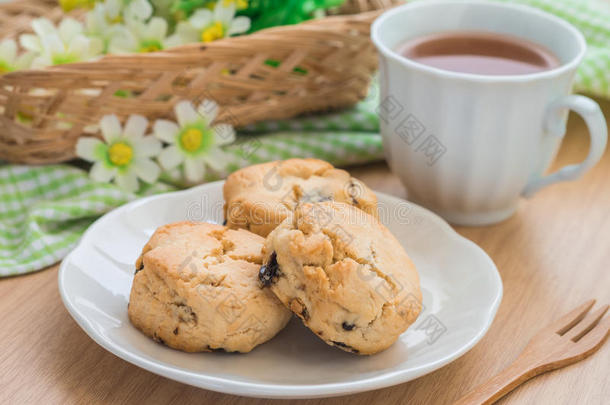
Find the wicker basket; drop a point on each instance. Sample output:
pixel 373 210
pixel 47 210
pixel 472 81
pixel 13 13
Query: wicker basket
pixel 333 56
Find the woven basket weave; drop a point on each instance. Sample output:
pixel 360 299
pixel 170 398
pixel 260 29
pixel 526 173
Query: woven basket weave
pixel 333 56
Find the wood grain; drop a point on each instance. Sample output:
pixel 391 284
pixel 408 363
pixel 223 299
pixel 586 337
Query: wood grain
pixel 570 339
pixel 552 255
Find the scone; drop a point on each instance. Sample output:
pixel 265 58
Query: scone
pixel 344 274
pixel 260 197
pixel 196 289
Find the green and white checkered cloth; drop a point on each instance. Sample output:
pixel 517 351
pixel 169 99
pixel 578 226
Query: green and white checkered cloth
pixel 45 210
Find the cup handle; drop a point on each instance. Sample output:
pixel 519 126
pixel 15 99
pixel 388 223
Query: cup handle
pixel 554 124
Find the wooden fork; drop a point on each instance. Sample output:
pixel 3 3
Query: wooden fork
pixel 568 340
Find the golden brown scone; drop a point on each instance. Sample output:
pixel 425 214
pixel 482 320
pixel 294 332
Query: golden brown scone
pixel 196 290
pixel 260 197
pixel 344 274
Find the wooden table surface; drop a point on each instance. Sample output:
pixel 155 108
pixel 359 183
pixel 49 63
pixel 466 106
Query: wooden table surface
pixel 552 255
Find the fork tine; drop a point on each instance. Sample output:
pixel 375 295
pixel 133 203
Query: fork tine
pixel 586 324
pixel 567 322
pixel 594 339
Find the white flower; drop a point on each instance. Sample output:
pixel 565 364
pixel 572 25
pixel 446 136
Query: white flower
pixel 139 36
pixel 137 9
pixel 194 142
pixel 56 46
pixel 106 19
pixel 103 20
pixel 109 13
pixel 10 61
pixel 125 155
pixel 205 26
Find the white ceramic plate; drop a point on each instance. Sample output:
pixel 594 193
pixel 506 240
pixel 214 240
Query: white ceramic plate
pixel 461 290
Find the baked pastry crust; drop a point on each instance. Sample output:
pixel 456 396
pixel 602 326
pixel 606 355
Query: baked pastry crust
pixel 260 197
pixel 344 274
pixel 196 290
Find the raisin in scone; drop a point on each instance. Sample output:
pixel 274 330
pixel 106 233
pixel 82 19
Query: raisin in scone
pixel 260 197
pixel 196 290
pixel 344 274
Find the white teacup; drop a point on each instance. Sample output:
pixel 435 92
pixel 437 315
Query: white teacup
pixel 466 145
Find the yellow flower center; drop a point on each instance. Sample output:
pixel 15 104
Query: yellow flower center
pixel 151 45
pixel 191 139
pixel 115 20
pixel 68 5
pixel 240 4
pixel 213 32
pixel 120 154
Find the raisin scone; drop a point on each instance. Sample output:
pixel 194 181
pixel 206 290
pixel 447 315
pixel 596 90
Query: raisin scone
pixel 196 290
pixel 344 274
pixel 260 197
